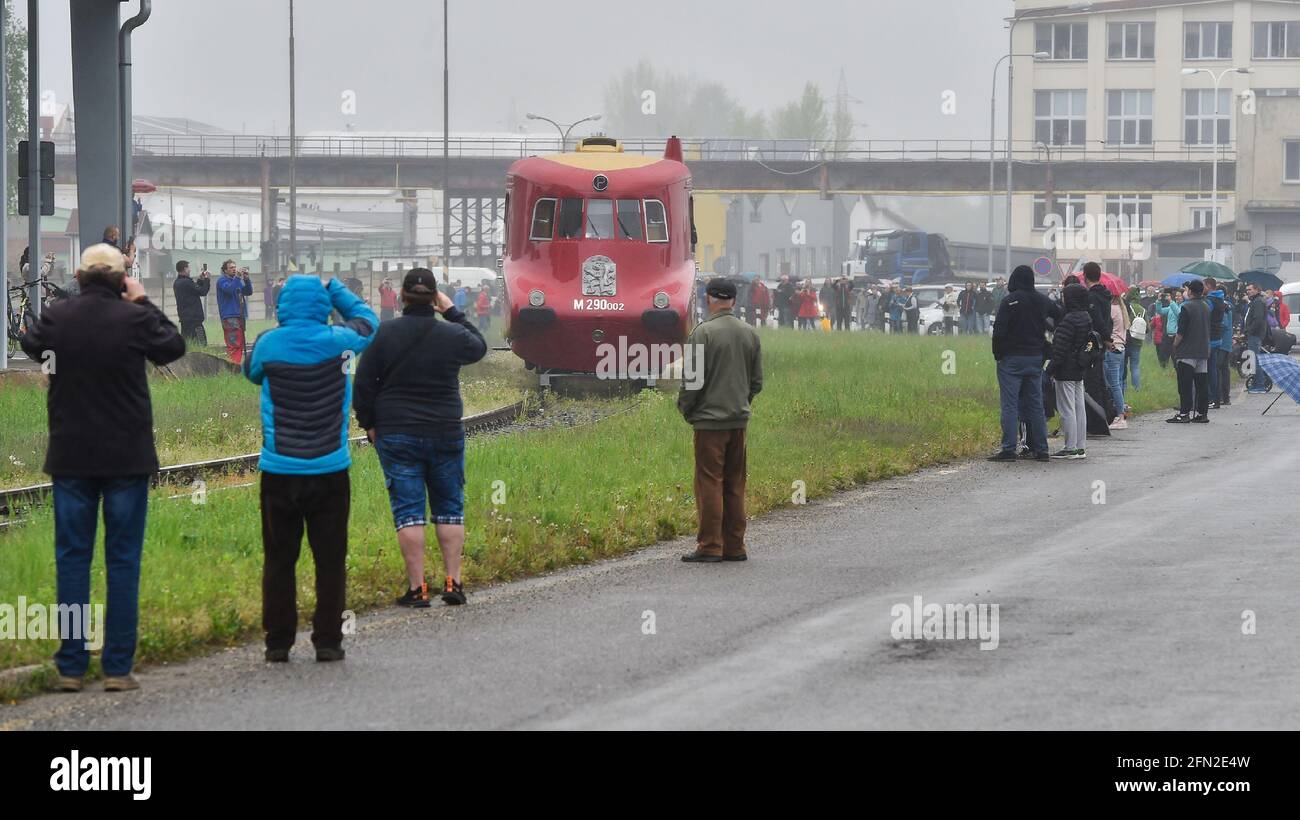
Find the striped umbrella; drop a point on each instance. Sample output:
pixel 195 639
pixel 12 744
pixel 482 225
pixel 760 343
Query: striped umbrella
pixel 1285 373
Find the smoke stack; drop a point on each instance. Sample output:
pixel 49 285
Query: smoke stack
pixel 673 149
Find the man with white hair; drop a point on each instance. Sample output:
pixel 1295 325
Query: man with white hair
pixel 101 446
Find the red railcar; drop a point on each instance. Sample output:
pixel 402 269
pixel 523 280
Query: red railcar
pixel 599 245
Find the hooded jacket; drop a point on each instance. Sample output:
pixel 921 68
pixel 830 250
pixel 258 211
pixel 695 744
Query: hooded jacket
pixel 1020 327
pixel 1099 307
pixel 303 367
pixel 1220 321
pixel 1256 323
pixel 1073 332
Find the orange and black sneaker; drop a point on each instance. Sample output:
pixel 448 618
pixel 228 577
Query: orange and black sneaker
pixel 453 594
pixel 417 598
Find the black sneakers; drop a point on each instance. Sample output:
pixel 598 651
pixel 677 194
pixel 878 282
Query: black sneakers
pixel 1179 418
pixel 417 598
pixel 1199 419
pixel 1003 456
pixel 327 654
pixel 453 594
pixel 277 656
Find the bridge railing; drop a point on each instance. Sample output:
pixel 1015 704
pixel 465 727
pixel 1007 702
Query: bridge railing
pixel 695 148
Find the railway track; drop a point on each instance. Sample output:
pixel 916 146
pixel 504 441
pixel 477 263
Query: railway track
pixel 15 499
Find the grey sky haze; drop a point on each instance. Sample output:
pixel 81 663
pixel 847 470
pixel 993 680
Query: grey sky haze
pixel 226 62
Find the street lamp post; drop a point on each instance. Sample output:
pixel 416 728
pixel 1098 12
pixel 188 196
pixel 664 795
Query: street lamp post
pixel 993 110
pixel 1011 47
pixel 1214 173
pixel 564 130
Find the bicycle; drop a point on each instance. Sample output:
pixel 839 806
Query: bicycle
pixel 18 303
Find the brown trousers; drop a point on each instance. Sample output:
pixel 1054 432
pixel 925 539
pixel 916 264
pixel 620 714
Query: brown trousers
pixel 720 491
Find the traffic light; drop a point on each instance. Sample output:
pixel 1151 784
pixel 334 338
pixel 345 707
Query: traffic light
pixel 47 179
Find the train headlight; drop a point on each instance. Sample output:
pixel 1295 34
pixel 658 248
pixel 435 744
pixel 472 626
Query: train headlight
pixel 536 298
pixel 661 300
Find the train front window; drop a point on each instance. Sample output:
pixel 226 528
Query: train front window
pixel 656 221
pixel 543 220
pixel 600 219
pixel 629 219
pixel 570 217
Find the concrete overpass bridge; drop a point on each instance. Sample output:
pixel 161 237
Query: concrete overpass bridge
pixel 478 165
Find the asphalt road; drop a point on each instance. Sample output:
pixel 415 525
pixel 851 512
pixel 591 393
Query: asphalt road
pixel 1127 614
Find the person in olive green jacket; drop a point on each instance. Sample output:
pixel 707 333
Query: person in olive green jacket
pixel 715 400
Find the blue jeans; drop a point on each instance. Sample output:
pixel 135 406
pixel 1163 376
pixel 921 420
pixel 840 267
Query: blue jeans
pixel 414 464
pixel 968 323
pixel 1133 365
pixel 1114 369
pixel 1020 378
pixel 76 514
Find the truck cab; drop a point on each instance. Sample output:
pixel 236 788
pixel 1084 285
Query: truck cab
pixel 911 257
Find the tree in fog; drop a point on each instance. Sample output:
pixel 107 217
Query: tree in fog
pixel 645 102
pixel 804 119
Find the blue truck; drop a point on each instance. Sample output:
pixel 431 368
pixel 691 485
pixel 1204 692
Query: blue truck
pixel 911 257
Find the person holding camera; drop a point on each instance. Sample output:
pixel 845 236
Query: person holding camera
pixel 302 367
pixel 233 290
pixel 189 302
pixel 101 446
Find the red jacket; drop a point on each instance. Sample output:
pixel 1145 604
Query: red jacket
pixel 484 303
pixel 807 302
pixel 387 297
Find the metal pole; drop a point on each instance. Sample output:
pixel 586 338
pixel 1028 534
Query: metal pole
pixel 1214 175
pixel 993 108
pixel 4 192
pixel 446 151
pixel 293 152
pixel 1011 100
pixel 34 150
pixel 126 206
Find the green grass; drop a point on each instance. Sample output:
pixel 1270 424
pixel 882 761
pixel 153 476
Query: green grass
pixel 837 410
pixel 207 417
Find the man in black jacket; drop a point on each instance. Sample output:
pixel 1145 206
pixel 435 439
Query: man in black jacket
pixel 407 399
pixel 783 302
pixel 101 446
pixel 1094 381
pixel 1019 343
pixel 189 302
pixel 1192 357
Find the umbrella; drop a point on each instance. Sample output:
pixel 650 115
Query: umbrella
pixel 1149 283
pixel 1206 268
pixel 1177 280
pixel 1285 373
pixel 1113 283
pixel 1261 279
pixel 749 276
pixel 142 186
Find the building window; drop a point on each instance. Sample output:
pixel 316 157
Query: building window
pixel 543 220
pixel 1129 211
pixel 1064 41
pixel 1277 41
pixel 1060 117
pixel 1207 41
pixel 1131 41
pixel 1202 217
pixel 656 223
pixel 1069 208
pixel 1291 160
pixel 1128 117
pixel 1207 121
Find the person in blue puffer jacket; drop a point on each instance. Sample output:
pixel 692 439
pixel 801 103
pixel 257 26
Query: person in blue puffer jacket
pixel 303 367
pixel 1220 344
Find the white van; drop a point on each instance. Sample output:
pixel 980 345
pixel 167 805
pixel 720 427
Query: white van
pixel 1291 298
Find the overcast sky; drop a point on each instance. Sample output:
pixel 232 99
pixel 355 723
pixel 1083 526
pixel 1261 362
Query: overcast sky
pixel 225 62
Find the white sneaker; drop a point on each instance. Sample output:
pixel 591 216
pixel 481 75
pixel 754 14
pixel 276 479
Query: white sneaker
pixel 1119 424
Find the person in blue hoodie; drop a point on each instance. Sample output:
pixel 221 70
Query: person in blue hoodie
pixel 1220 344
pixel 303 367
pixel 233 289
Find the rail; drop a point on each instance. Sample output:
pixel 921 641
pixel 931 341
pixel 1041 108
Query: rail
pixel 35 494
pixel 361 146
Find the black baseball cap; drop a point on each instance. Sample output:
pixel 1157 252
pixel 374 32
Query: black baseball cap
pixel 420 280
pixel 721 288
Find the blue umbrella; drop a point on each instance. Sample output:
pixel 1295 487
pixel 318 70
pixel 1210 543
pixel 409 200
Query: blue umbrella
pixel 1261 279
pixel 1177 280
pixel 1285 373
